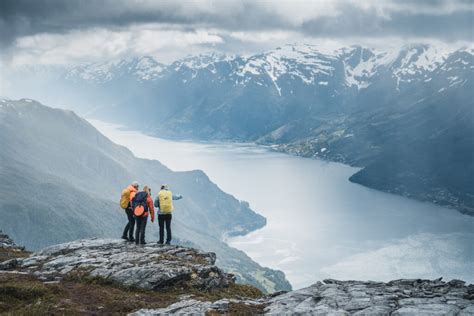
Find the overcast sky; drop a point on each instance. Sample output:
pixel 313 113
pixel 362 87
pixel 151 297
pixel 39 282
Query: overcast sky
pixel 72 31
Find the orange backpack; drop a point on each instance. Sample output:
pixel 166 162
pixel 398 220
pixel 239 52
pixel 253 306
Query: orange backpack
pixel 139 204
pixel 139 210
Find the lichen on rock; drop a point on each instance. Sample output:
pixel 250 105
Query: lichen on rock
pixel 149 267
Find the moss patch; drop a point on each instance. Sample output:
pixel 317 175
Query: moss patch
pixel 12 253
pixel 78 294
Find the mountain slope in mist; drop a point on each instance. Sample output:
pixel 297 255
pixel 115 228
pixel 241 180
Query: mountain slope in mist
pixel 62 181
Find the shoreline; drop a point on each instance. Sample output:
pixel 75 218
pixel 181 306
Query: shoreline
pixel 205 154
pixel 275 148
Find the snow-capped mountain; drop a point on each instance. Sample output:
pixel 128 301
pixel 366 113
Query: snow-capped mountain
pixel 362 105
pixel 354 66
pixel 308 75
pixel 141 69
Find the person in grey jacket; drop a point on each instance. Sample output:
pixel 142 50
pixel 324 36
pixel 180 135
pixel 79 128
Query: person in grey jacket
pixel 164 205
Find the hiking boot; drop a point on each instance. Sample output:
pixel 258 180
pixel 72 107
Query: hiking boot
pixel 160 243
pixel 167 242
pixel 131 239
pixel 124 237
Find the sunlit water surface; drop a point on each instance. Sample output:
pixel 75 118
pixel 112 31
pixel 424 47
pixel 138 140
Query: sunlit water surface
pixel 319 224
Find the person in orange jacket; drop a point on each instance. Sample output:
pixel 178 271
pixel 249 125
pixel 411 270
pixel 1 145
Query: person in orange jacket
pixel 126 205
pixel 142 205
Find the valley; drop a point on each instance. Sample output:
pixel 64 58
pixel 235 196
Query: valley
pixel 66 188
pixel 319 224
pixel 376 109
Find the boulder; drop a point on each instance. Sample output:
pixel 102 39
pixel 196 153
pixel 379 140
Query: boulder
pixel 151 266
pixel 7 243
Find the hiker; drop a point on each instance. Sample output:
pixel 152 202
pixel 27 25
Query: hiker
pixel 164 204
pixel 142 204
pixel 126 205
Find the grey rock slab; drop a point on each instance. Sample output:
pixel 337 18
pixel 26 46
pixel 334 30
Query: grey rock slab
pixel 190 306
pixel 185 307
pixel 427 310
pixel 468 311
pixel 357 303
pixel 400 297
pixel 149 267
pixel 377 310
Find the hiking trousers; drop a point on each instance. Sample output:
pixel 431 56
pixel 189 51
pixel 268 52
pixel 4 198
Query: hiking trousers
pixel 128 231
pixel 164 219
pixel 140 230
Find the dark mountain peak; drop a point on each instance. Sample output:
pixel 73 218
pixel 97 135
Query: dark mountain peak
pixel 357 54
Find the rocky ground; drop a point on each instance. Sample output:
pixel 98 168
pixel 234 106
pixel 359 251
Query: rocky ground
pixel 111 276
pixel 332 297
pixel 148 267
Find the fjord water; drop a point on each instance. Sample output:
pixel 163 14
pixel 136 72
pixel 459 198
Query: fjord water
pixel 319 224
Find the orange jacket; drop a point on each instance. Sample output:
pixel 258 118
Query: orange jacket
pixel 149 202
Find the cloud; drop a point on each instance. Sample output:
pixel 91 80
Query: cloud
pixel 265 36
pixel 422 255
pixel 28 17
pixel 60 31
pixel 89 45
pixel 374 22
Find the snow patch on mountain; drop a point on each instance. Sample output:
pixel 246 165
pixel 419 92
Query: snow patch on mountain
pixel 99 72
pixel 148 69
pixel 281 68
pixel 303 62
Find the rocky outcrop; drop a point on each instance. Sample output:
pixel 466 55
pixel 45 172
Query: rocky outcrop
pixel 400 297
pixel 148 267
pixel 156 267
pixel 9 250
pixel 7 243
pixel 332 297
pixel 196 307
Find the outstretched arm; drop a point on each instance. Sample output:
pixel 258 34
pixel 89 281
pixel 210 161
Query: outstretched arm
pixel 177 197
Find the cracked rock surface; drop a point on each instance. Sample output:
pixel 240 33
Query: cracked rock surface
pixel 399 297
pixel 158 267
pixel 196 307
pixel 332 297
pixel 149 267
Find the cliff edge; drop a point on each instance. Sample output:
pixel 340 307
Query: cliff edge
pixel 112 276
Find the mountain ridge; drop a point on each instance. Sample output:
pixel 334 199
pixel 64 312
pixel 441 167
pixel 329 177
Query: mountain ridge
pixel 352 105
